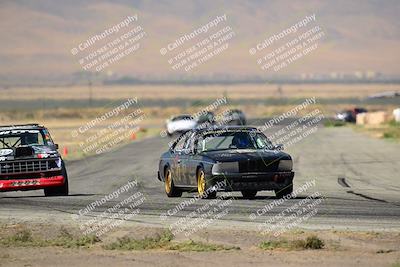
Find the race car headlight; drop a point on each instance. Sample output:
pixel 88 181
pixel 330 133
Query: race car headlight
pixel 285 165
pixel 225 167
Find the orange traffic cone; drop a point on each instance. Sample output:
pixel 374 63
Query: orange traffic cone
pixel 65 151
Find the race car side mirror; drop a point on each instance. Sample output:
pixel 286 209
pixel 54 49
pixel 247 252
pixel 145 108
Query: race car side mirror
pixel 278 147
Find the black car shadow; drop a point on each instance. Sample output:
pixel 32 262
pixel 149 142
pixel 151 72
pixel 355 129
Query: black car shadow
pixel 260 197
pixel 266 198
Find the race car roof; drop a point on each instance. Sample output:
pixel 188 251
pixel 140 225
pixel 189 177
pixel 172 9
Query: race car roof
pixel 21 126
pixel 226 128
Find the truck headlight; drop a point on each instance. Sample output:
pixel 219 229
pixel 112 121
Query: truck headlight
pixel 6 152
pixel 285 165
pixel 58 162
pixel 225 167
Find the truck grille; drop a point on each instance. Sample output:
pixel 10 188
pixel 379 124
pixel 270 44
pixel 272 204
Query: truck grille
pixel 258 165
pixel 28 166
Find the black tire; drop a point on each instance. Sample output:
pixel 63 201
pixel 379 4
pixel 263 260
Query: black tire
pixel 249 194
pixel 59 190
pixel 283 192
pixel 170 188
pixel 204 185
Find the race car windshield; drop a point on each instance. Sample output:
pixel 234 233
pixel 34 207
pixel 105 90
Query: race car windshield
pixel 17 138
pixel 233 140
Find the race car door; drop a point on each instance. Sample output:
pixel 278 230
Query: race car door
pixel 185 161
pixel 176 161
pixel 192 161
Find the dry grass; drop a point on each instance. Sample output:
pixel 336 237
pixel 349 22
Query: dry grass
pixel 389 131
pixel 311 242
pixel 165 241
pixel 25 238
pixel 240 91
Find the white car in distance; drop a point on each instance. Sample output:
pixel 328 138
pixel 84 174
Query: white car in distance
pixel 180 124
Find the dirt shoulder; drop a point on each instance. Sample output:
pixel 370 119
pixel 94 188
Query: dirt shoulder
pixel 55 245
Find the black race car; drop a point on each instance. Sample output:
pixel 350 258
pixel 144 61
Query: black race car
pixel 234 117
pixel 29 160
pixel 230 158
pixel 207 117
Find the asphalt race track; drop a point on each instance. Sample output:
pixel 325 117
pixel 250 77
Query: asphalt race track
pixel 358 178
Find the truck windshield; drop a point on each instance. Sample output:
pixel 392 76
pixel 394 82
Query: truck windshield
pixel 16 138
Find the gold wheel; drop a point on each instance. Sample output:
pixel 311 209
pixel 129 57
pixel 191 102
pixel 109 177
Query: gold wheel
pixel 168 181
pixel 201 182
pixel 170 188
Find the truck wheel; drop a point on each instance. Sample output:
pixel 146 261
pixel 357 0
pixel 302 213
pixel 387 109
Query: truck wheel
pixel 59 190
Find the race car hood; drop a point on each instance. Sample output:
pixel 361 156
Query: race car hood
pixel 246 154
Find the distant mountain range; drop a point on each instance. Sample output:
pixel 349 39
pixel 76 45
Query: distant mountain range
pixel 37 36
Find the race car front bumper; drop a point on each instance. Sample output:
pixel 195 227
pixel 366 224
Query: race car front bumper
pixel 31 183
pixel 255 181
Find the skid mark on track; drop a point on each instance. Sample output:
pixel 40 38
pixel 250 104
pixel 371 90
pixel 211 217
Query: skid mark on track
pixel 371 198
pixel 342 182
pixel 366 197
